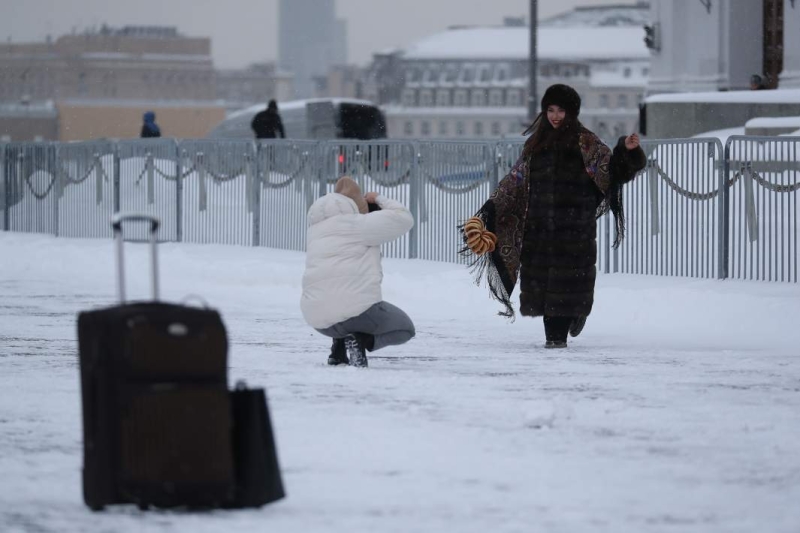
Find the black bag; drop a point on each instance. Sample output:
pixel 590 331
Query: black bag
pixel 157 421
pixel 258 476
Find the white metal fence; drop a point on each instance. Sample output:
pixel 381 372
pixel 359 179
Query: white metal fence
pixel 699 209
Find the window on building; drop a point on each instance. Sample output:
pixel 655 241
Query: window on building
pixel 485 73
pixel 426 98
pixel 451 72
pixel 626 72
pixel 645 71
pixel 478 98
pixel 468 74
pixel 443 129
pixel 408 129
pixel 602 130
pixel 412 75
pixel 409 97
pixel 82 83
pixel 622 101
pixel 620 129
pixel 495 128
pixel 478 129
pixel 425 128
pixel 501 72
pixel 514 127
pixel 496 97
pixel 443 98
pixel 604 100
pixel 461 98
pixel 513 98
pixel 431 74
pixel 461 129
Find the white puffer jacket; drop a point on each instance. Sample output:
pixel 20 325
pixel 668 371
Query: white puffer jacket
pixel 343 259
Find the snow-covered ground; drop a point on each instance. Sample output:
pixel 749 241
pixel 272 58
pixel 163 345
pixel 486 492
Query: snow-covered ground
pixel 677 409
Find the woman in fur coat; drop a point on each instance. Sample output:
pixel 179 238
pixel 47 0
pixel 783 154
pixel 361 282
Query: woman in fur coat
pixel 541 222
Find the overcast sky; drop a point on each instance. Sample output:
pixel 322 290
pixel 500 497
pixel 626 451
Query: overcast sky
pixel 245 31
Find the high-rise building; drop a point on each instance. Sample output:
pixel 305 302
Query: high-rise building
pixel 340 43
pixel 307 36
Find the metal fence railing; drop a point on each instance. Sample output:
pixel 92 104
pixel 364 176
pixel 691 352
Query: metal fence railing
pixel 698 209
pixel 673 209
pixel 764 178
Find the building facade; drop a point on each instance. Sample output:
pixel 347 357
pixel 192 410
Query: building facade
pixel 258 83
pixel 99 83
pixel 718 46
pixel 311 41
pixel 471 82
pixel 125 63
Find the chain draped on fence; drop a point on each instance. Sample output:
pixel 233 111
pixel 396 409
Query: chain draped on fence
pixel 698 209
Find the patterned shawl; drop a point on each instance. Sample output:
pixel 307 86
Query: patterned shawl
pixel 505 211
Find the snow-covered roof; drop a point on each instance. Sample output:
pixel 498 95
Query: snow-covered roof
pixel 602 78
pixel 608 15
pixel 408 111
pixel 568 43
pixel 779 96
pixel 773 122
pixel 296 104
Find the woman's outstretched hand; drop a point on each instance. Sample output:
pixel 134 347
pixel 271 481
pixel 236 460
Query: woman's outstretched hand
pixel 632 141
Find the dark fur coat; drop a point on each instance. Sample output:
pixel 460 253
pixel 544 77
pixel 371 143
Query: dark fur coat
pixel 544 214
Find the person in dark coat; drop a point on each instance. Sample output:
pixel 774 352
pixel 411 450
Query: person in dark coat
pixel 541 221
pixel 267 124
pixel 150 128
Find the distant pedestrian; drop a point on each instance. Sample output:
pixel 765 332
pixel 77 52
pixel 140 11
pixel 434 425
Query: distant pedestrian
pixel 150 128
pixel 267 124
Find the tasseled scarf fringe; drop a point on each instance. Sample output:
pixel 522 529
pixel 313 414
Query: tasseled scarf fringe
pixel 487 266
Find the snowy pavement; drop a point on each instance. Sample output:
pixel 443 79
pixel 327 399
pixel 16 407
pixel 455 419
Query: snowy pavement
pixel 677 409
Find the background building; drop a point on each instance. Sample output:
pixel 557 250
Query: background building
pixel 99 83
pixel 703 55
pixel 471 82
pixel 311 41
pixel 131 62
pixel 258 83
pixel 717 46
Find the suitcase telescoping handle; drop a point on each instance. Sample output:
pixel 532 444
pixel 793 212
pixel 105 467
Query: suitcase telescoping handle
pixel 116 223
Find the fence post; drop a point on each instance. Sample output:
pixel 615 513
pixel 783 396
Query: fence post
pixel 724 214
pixel 413 198
pixel 98 179
pixel 253 177
pixel 178 192
pixel 750 202
pixel 652 186
pixel 201 179
pixel 117 178
pixel 607 230
pixel 151 178
pixel 4 188
pixel 56 184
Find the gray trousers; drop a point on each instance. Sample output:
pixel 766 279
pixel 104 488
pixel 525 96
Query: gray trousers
pixel 388 324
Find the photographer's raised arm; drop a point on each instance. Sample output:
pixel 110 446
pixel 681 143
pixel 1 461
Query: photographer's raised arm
pixel 392 221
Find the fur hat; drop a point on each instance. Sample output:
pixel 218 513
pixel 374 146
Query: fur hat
pixel 348 187
pixel 564 97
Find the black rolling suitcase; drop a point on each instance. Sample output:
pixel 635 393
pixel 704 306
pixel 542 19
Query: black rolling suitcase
pixel 157 419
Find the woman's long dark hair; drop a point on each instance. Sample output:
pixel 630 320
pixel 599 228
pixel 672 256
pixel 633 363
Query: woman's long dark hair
pixel 544 135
